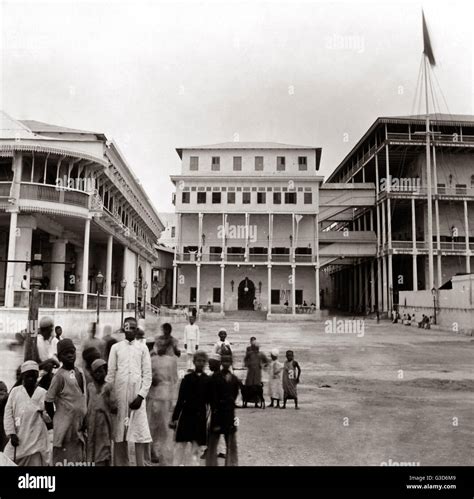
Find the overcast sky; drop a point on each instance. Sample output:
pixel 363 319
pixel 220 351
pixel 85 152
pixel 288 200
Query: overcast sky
pixel 159 75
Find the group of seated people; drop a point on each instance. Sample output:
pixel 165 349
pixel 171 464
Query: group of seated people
pixel 408 319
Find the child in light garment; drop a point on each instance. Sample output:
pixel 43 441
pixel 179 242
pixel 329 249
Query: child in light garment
pixel 291 378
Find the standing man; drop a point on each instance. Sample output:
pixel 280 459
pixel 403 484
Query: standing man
pixel 129 372
pixel 191 340
pixel 47 351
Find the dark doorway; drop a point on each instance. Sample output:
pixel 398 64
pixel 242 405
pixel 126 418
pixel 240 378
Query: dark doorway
pixel 246 295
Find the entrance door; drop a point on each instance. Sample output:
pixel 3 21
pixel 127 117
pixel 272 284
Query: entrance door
pixel 246 295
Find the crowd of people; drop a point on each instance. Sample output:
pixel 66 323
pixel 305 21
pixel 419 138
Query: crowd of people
pixel 408 319
pixel 125 393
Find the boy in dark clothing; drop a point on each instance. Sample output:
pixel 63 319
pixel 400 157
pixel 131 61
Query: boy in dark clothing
pixel 190 413
pixel 224 388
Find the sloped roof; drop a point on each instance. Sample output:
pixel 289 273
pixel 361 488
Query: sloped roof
pixel 13 129
pixel 39 126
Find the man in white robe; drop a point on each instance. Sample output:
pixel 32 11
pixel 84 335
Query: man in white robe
pixel 129 372
pixel 23 420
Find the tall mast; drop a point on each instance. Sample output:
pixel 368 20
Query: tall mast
pixel 428 182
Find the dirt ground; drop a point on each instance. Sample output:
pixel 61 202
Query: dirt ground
pixel 396 393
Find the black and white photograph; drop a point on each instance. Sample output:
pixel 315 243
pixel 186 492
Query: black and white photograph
pixel 237 234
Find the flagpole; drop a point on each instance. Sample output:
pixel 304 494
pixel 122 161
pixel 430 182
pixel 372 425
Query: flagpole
pixel 428 183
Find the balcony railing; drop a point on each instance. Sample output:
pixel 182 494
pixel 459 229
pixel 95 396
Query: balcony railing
pixel 457 246
pixel 65 300
pixel 438 137
pixel 240 257
pixel 53 194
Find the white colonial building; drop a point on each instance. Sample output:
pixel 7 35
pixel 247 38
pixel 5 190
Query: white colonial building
pixel 247 227
pixel 70 196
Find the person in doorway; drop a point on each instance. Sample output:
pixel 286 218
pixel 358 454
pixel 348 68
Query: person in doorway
pixel 129 372
pixel 24 420
pixel 191 340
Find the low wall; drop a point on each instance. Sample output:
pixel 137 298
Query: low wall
pixel 453 308
pixel 315 316
pixel 75 323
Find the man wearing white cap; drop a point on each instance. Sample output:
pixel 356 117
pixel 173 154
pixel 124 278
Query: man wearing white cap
pixel 23 419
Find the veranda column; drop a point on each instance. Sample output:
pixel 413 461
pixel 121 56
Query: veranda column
pixel 414 248
pixel 108 272
pixel 222 287
pixel 317 268
pixel 372 286
pixel 438 234
pixel 269 297
pixel 58 254
pixel 384 262
pixel 85 263
pixel 293 289
pixel 9 283
pixel 468 251
pixel 175 289
pixel 198 286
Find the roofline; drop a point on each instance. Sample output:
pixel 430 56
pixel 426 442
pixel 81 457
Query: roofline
pixel 288 147
pixel 253 178
pixel 382 120
pixel 112 145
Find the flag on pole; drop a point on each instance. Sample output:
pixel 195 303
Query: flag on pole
pixel 427 48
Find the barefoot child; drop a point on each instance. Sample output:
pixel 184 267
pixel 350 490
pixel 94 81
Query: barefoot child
pixel 291 378
pixel 66 405
pixel 275 388
pixel 100 408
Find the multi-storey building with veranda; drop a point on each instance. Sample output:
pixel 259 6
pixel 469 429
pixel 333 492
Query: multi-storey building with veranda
pixel 248 232
pixel 70 196
pixel 392 155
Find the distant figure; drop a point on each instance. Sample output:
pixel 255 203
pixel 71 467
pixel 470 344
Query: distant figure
pixel 191 340
pixel 94 342
pixel 222 347
pixel 254 361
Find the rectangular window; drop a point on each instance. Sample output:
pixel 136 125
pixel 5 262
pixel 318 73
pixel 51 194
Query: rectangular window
pixel 299 296
pixel 216 163
pixel 302 163
pixel 258 163
pixel 192 295
pixel 277 198
pixel 216 198
pixel 237 163
pixel 231 198
pixel 201 197
pixel 308 198
pixel 261 197
pixel 275 297
pixel 216 295
pixel 280 163
pixel 290 197
pixel 185 197
pixel 246 197
pixel 194 163
pixel 173 231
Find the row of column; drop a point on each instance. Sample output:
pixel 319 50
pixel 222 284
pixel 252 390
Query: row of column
pixel 269 281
